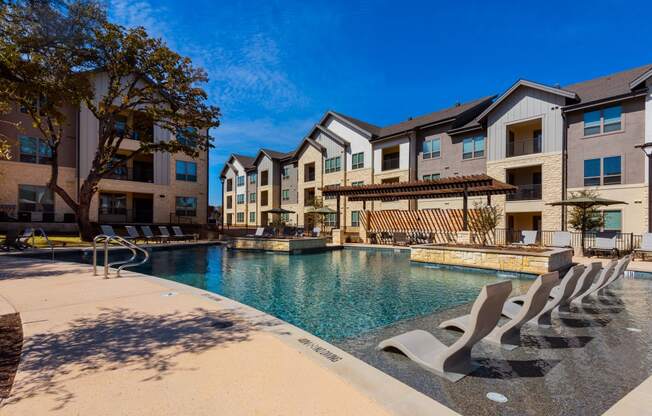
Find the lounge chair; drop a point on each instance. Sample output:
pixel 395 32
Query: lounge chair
pixel 134 234
pixel 147 232
pixel 454 362
pixel 513 306
pixel 12 241
pixel 561 239
pixel 646 246
pixel 528 238
pixel 597 284
pixel 508 335
pixel 300 232
pixel 259 232
pixel 316 232
pixel 165 233
pixel 604 245
pixel 400 239
pixel 108 231
pixel 619 272
pixel 583 283
pixel 180 235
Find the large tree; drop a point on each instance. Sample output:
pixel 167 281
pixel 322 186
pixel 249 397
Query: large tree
pixel 139 75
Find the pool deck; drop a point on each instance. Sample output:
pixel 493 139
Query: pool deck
pixel 147 346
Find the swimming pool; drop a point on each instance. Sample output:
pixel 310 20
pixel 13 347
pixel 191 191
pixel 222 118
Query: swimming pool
pixel 334 294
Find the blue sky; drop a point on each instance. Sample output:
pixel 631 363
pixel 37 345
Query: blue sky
pixel 276 66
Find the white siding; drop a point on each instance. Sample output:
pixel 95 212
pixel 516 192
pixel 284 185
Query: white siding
pixel 524 104
pixel 358 142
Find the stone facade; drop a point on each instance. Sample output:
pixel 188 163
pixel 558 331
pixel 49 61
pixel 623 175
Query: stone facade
pixel 278 244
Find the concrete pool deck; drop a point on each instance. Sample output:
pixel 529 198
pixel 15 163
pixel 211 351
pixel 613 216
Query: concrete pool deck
pixel 143 345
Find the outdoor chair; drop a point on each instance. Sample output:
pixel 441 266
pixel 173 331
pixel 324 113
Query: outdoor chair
pixel 259 232
pixel 165 233
pixel 646 246
pixel 508 336
pixel 514 305
pixel 134 234
pixel 147 232
pixel 619 272
pixel 400 239
pixel 604 245
pixel 561 239
pixel 583 284
pixel 109 232
pixel 178 233
pixel 300 232
pixel 597 284
pixel 454 362
pixel 316 232
pixel 528 238
pixel 12 241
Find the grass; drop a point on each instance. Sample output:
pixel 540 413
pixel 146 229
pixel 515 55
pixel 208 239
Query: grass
pixel 57 241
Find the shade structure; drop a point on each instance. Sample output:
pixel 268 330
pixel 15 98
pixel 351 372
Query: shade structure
pixel 279 211
pixel 587 202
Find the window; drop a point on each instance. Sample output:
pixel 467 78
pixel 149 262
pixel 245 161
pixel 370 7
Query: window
pixel 355 218
pixel 357 183
pixel 357 161
pixel 473 147
pixel 187 137
pixel 432 148
pixel 309 172
pixel 285 217
pixel 592 172
pixel 431 177
pixel 332 165
pixel 252 178
pixel 252 197
pixel 391 158
pixel 35 198
pixel 285 195
pixel 603 121
pixel 113 204
pixel 264 178
pixel 611 169
pixel 186 171
pixel 613 220
pixel 240 199
pixel 285 172
pixel 239 217
pixel 252 217
pixel 241 180
pixel 229 202
pixel 33 150
pixel 186 206
pixel 330 220
pixel 263 198
pixel 229 185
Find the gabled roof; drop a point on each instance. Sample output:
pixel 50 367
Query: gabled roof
pixel 272 154
pixel 613 85
pixel 247 163
pixel 368 128
pixel 307 141
pixel 335 137
pixel 564 92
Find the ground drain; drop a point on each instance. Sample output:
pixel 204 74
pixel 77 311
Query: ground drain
pixel 496 397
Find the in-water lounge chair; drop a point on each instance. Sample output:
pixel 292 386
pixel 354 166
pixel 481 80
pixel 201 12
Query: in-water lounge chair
pixel 514 305
pixel 583 284
pixel 598 283
pixel 619 272
pixel 508 335
pixel 528 238
pixel 561 239
pixel 646 246
pixel 454 362
pixel 178 233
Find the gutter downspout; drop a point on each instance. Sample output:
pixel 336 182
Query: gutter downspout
pixel 77 147
pixel 208 176
pixel 564 167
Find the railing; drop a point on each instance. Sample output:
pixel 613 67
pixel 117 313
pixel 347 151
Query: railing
pixel 135 249
pixel 123 215
pixel 526 193
pixel 625 242
pixel 131 174
pixel 522 147
pixel 391 162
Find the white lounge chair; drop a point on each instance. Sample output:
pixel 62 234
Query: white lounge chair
pixel 508 335
pixel 646 246
pixel 316 231
pixel 561 239
pixel 259 232
pixel 514 305
pixel 528 238
pixel 583 283
pixel 454 362
pixel 604 245
pixel 597 284
pixel 619 272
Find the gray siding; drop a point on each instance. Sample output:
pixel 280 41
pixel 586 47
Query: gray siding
pixel 291 183
pixel 523 104
pixel 620 144
pixel 333 149
pixel 450 163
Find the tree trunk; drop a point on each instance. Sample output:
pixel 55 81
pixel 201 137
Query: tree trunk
pixel 86 228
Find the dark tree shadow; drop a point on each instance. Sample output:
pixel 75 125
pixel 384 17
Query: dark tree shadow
pixel 512 369
pixel 11 342
pixel 119 337
pixel 548 342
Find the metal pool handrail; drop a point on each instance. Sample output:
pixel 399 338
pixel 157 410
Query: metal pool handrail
pixel 134 248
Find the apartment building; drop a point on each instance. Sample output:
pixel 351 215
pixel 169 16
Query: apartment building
pixel 152 188
pixel 549 141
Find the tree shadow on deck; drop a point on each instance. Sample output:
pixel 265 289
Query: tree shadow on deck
pixel 119 338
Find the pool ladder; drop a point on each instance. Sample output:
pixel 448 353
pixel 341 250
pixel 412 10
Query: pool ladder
pixel 106 240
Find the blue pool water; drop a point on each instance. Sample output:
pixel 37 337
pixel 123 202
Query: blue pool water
pixel 334 294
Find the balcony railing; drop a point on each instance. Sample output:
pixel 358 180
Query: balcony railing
pixel 523 147
pixel 131 174
pixel 391 162
pixel 526 193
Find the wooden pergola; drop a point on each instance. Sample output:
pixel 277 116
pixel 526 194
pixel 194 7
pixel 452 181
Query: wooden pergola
pixel 452 187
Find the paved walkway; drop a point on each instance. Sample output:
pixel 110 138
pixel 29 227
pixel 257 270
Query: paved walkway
pixel 144 346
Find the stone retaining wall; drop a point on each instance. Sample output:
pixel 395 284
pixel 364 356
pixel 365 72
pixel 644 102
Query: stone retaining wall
pixel 278 244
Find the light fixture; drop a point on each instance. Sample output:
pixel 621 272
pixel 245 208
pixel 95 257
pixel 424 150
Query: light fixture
pixel 646 147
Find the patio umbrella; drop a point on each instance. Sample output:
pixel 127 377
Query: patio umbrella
pixel 584 203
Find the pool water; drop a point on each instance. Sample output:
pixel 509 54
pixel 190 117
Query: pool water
pixel 333 294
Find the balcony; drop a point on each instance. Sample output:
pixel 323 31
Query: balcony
pixel 137 174
pixel 391 158
pixel 527 192
pixel 523 147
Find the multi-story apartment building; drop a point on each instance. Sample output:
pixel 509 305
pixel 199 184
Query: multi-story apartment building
pixel 549 141
pixel 153 188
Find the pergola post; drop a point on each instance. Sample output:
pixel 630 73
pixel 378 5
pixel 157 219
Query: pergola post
pixel 337 220
pixel 488 200
pixel 465 210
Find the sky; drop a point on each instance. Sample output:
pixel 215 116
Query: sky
pixel 275 67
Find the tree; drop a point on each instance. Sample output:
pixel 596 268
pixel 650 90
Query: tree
pixel 585 217
pixel 485 221
pixel 141 76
